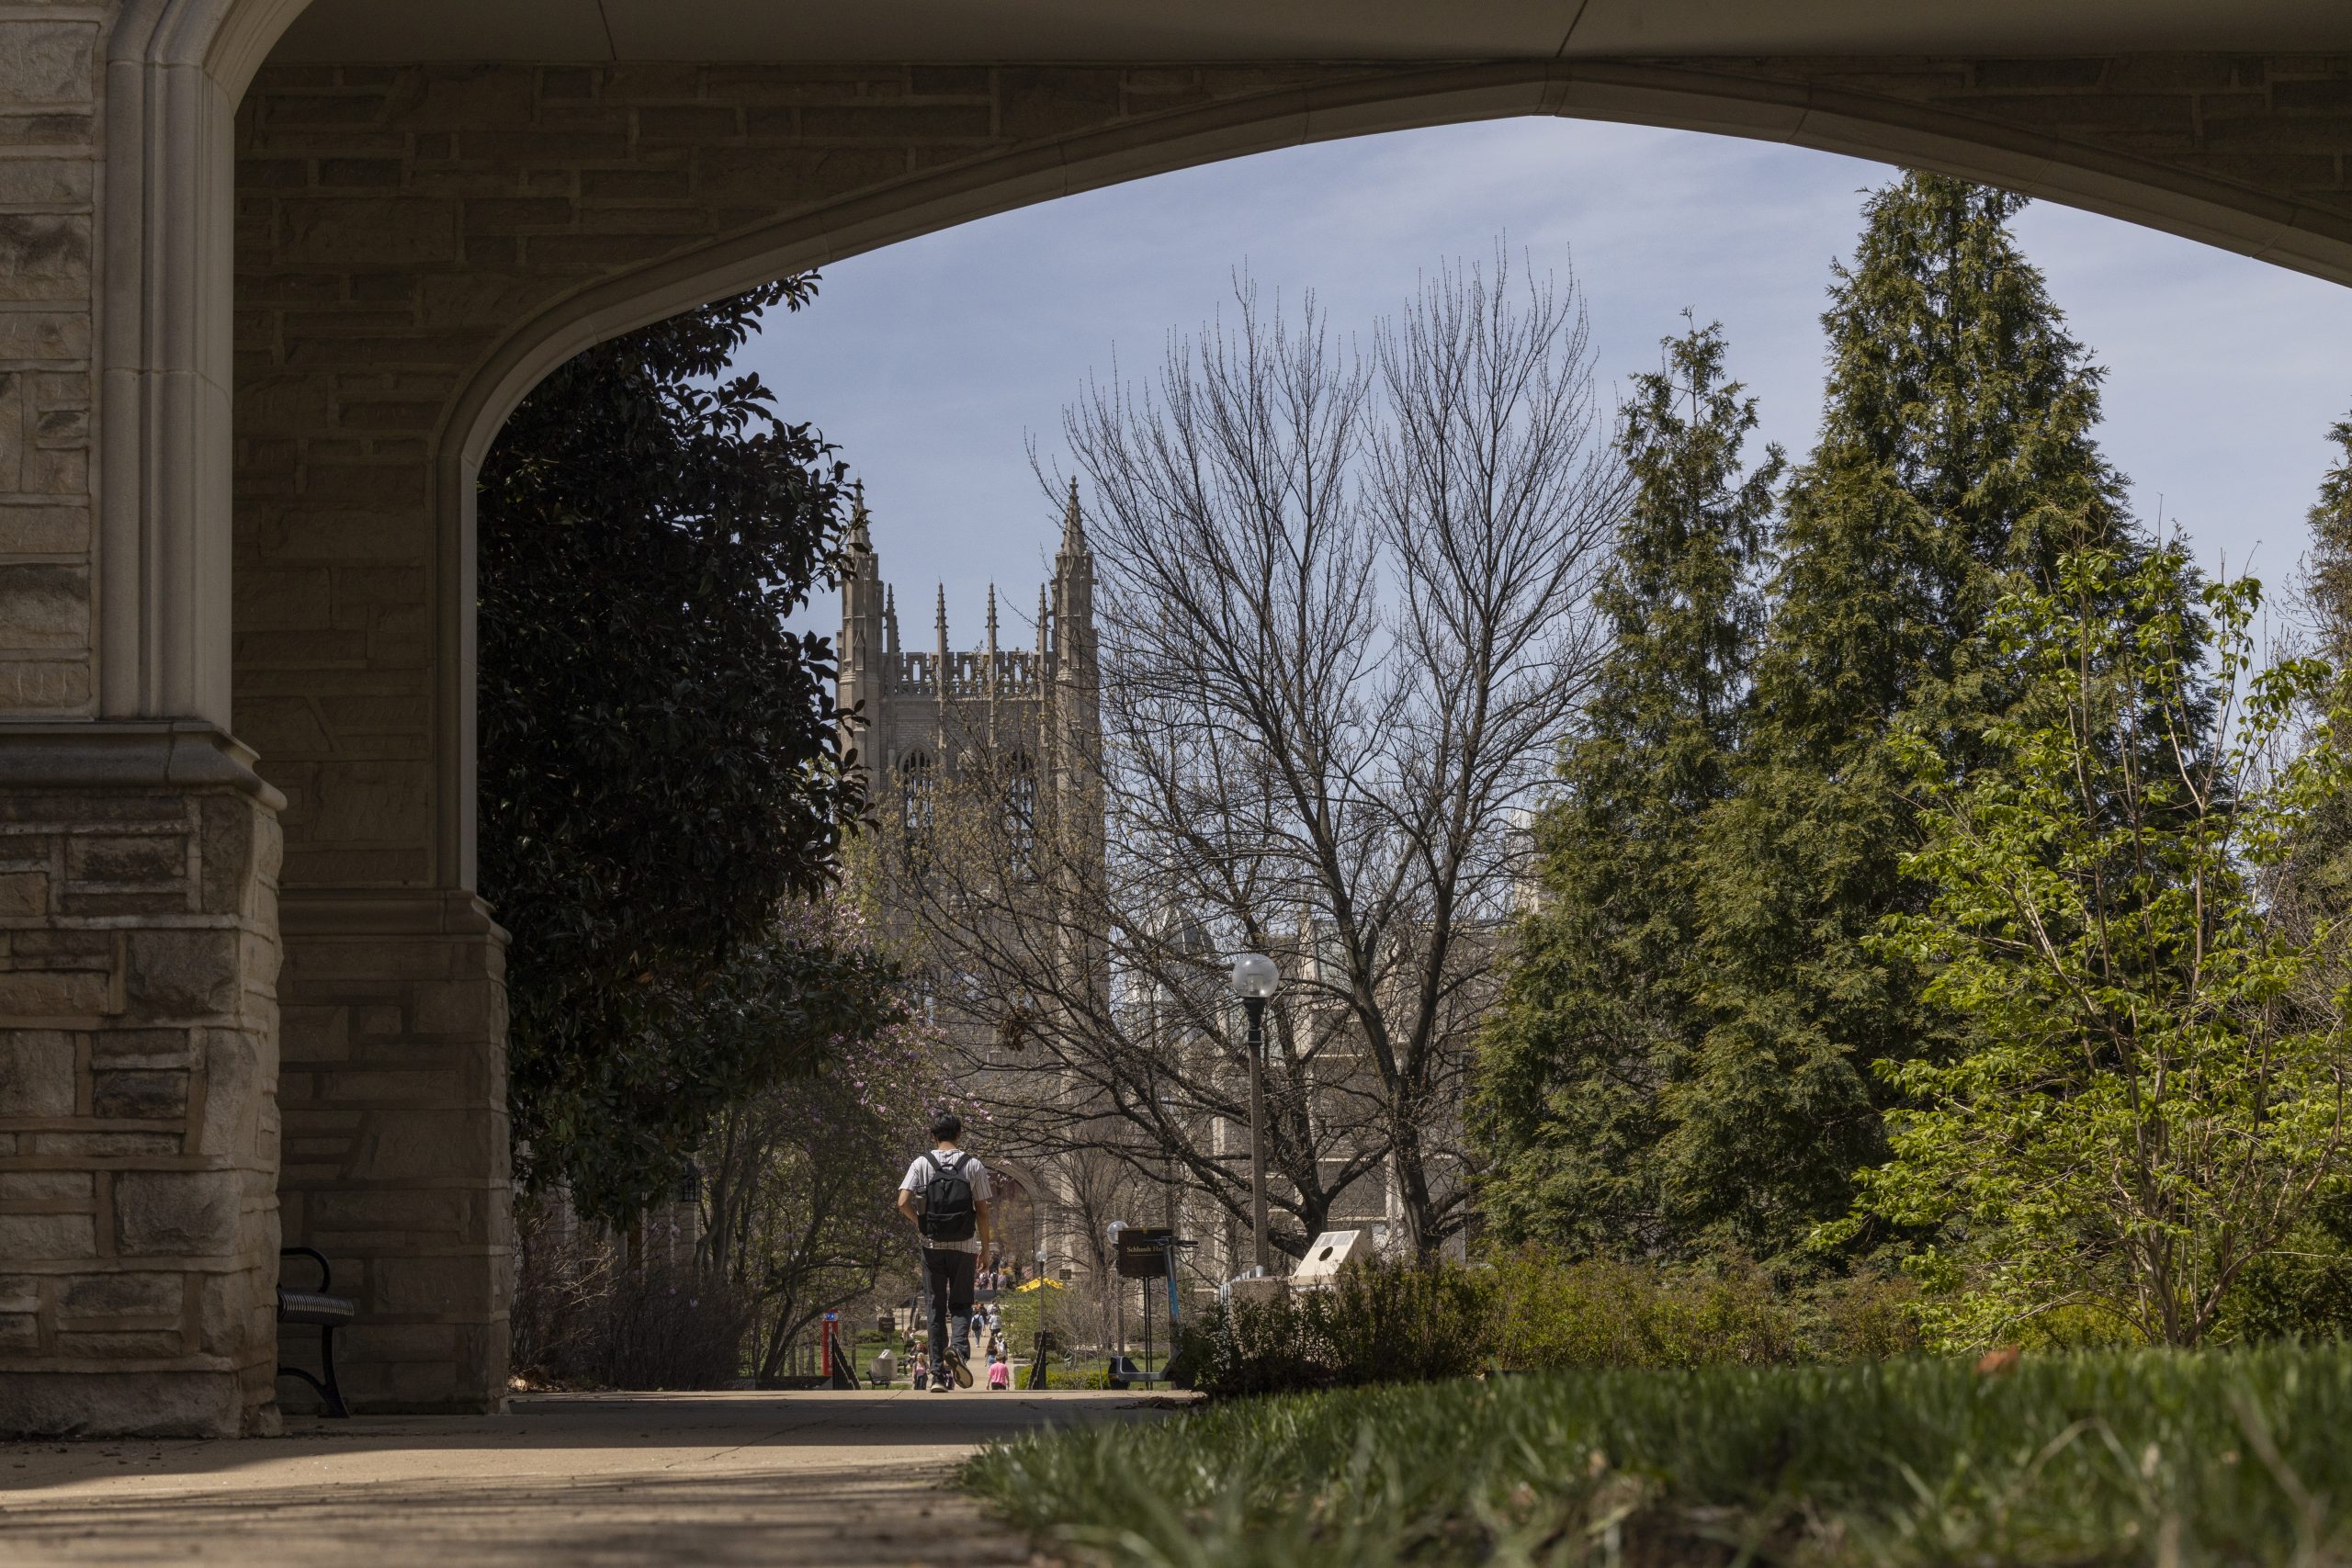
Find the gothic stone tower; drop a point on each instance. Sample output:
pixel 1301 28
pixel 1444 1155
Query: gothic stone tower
pixel 1023 720
pixel 1029 711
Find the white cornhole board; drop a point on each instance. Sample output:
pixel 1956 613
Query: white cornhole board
pixel 1330 1253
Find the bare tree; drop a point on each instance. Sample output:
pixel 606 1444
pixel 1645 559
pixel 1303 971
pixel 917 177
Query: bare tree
pixel 1345 619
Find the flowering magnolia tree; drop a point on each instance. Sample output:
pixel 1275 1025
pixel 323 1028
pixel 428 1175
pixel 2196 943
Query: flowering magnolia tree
pixel 2152 1093
pixel 800 1188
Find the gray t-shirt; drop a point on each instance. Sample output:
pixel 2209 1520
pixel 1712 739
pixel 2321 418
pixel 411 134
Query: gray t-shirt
pixel 918 1182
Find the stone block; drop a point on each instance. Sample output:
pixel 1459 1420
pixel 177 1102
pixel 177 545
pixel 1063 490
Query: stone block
pixel 392 1209
pixel 44 606
pixel 43 685
pixel 239 846
pixel 46 62
pixel 2331 95
pixel 144 857
pixel 47 1238
pixel 139 1048
pixel 140 1095
pixel 899 122
pixel 429 1287
pixel 236 1312
pixel 44 530
pixel 791 176
pixel 44 1186
pixel 137 1404
pixel 241 1093
pixel 175 973
pixel 146 1294
pixel 45 182
pixel 62 947
pixel 177 1213
pixel 945 81
pixel 455 1008
pixel 635 185
pixel 19 1332
pixel 395 1145
pixel 695 123
pixel 38 1072
pixel 120 1343
pixel 375 232
pixel 44 255
pixel 24 893
pixel 55 993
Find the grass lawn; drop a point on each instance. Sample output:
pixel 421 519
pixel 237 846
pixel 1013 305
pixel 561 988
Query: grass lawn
pixel 2226 1457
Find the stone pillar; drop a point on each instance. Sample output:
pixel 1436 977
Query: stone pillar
pixel 394 1089
pixel 138 1109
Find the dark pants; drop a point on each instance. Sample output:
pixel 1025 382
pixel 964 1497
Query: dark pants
pixel 947 1276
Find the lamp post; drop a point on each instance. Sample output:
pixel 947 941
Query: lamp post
pixel 1254 979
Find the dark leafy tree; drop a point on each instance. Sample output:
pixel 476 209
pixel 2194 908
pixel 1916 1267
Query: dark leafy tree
pixel 660 762
pixel 1956 455
pixel 1603 1005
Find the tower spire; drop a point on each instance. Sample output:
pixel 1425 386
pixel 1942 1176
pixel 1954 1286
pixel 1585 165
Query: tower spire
pixel 939 671
pixel 1073 529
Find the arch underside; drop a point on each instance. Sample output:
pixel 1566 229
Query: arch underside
pixel 1996 136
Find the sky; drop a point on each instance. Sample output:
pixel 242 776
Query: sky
pixel 935 364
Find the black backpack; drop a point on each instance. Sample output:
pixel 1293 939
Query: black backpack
pixel 947 1212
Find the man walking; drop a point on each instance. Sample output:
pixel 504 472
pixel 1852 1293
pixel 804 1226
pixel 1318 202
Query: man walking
pixel 946 1195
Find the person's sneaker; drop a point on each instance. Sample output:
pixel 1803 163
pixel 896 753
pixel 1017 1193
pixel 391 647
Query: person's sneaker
pixel 963 1368
pixel 939 1386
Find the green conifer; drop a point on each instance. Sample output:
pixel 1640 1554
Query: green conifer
pixel 1955 449
pixel 1602 1006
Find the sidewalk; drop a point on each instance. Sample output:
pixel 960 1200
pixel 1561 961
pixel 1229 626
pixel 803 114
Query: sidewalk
pixel 818 1480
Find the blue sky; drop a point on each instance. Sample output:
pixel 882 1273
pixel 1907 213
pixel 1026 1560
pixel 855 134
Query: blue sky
pixel 933 362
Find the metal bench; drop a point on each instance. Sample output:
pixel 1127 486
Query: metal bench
pixel 328 1313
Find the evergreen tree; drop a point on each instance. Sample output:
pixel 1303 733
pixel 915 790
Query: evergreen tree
pixel 2329 567
pixel 1602 1004
pixel 1955 452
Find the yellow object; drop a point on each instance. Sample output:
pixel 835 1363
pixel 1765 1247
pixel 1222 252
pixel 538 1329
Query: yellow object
pixel 1040 1279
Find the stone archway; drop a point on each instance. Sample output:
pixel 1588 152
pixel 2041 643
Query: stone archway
pixel 375 259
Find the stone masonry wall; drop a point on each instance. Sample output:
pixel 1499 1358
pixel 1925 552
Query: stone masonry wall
pixel 50 71
pixel 394 1095
pixel 138 1107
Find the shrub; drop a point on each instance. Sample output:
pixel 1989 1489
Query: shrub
pixel 585 1315
pixel 1380 1323
pixel 1554 1315
pixel 1532 1311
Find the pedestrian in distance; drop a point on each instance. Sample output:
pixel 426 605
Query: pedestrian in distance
pixel 999 1373
pixel 946 1195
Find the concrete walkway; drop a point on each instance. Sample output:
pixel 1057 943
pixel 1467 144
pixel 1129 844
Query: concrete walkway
pixel 609 1481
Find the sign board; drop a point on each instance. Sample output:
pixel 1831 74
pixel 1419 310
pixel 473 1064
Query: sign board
pixel 1330 1253
pixel 1143 1251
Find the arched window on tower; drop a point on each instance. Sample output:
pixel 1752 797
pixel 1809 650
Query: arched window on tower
pixel 917 786
pixel 1020 815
